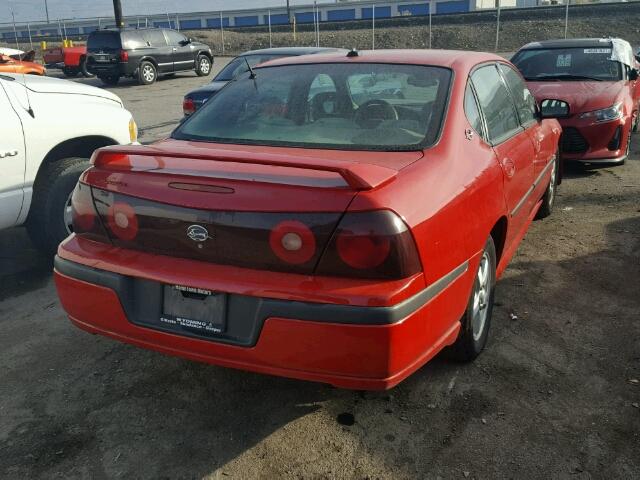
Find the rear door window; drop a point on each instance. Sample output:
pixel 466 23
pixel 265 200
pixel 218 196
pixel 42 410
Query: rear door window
pixel 525 103
pixel 496 103
pixel 155 38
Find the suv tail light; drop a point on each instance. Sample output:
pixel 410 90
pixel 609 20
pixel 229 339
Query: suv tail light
pixel 124 56
pixel 376 244
pixel 188 106
pixel 84 215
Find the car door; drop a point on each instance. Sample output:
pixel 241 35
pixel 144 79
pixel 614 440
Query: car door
pixel 182 52
pixel 160 51
pixel 12 162
pixel 511 143
pixel 525 102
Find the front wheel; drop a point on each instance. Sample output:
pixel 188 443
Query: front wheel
pixel 203 66
pixel 147 73
pixel 549 197
pixel 49 221
pixel 477 318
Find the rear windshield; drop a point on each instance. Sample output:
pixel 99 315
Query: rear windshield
pixel 104 41
pixel 239 65
pixel 568 64
pixel 344 106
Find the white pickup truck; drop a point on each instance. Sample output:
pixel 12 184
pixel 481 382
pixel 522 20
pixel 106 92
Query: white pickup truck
pixel 48 130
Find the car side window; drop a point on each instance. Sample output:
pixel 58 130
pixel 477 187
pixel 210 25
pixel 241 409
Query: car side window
pixel 472 112
pixel 174 38
pixel 525 103
pixel 496 104
pixel 155 38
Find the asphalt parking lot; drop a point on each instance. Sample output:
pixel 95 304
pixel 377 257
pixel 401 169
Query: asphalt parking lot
pixel 555 395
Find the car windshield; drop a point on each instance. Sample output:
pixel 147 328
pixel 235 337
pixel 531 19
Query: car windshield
pixel 344 106
pixel 239 65
pixel 584 63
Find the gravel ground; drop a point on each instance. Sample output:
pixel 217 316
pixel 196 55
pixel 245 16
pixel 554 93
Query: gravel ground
pixel 555 395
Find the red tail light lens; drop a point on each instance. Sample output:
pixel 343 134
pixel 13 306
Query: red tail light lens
pixel 293 242
pixel 122 221
pixel 84 216
pixel 188 106
pixel 124 56
pixel 375 244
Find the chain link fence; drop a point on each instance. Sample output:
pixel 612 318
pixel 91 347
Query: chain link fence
pixel 498 29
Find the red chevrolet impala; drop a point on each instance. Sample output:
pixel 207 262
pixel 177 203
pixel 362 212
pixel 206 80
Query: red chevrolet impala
pixel 338 218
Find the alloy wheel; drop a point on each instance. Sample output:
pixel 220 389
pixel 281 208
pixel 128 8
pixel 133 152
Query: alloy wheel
pixel 481 297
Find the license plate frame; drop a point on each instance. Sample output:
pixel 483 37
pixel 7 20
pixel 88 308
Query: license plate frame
pixel 193 311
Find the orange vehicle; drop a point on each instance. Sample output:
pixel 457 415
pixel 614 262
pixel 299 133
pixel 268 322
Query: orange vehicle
pixel 12 65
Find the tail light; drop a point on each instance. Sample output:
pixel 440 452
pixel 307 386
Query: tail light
pixel 376 244
pixel 188 106
pixel 122 221
pixel 84 216
pixel 124 56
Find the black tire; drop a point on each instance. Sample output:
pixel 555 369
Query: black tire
pixel 203 65
pixel 471 342
pixel 70 72
pixel 46 223
pixel 147 73
pixel 549 197
pixel 83 68
pixel 110 80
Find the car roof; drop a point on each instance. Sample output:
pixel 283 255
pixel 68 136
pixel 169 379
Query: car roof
pixel 569 43
pixel 291 51
pixel 453 59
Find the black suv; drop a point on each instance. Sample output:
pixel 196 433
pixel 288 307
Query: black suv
pixel 144 54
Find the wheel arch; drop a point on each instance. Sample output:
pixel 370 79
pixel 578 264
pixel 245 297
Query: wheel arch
pixel 206 54
pixel 499 235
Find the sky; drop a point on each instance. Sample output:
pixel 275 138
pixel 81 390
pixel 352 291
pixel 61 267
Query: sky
pixel 33 10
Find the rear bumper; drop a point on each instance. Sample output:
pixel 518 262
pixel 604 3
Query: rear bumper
pixel 349 346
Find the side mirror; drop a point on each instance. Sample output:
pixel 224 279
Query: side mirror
pixel 553 108
pixel 633 74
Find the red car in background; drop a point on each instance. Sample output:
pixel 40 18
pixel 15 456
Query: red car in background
pixel 598 78
pixel 340 218
pixel 71 60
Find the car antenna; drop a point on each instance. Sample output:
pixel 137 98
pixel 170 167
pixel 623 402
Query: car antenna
pixel 24 78
pixel 253 74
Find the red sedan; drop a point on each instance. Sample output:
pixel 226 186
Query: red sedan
pixel 599 80
pixel 336 218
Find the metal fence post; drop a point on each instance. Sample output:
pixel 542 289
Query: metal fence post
pixel 566 18
pixel 430 1
pixel 15 32
pixel 30 40
pixel 269 16
pixel 373 26
pixel 177 22
pixel 222 33
pixel 498 26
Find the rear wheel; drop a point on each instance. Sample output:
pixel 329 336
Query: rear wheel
pixel 203 66
pixel 70 72
pixel 147 73
pixel 110 80
pixel 549 197
pixel 49 220
pixel 83 68
pixel 477 318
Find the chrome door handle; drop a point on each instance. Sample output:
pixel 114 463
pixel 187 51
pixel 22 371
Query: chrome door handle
pixel 9 153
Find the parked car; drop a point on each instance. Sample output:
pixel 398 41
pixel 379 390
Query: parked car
pixel 599 80
pixel 196 98
pixel 71 60
pixel 336 218
pixel 49 129
pixel 144 54
pixel 17 65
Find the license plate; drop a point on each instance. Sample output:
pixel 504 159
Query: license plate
pixel 193 310
pixel 102 58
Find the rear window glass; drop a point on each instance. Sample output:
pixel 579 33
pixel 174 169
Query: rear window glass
pixel 584 63
pixel 154 38
pixel 104 41
pixel 133 40
pixel 346 106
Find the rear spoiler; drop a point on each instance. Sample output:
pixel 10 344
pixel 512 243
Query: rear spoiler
pixel 359 176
